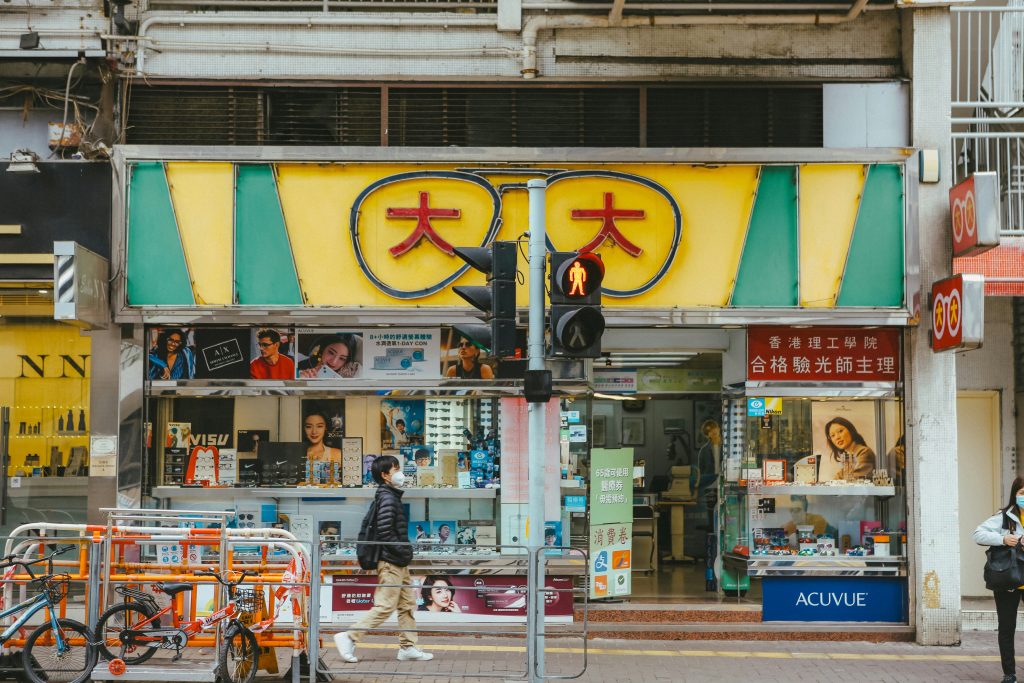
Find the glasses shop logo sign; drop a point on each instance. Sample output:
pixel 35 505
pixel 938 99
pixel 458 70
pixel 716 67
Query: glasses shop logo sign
pixel 419 218
pixel 974 209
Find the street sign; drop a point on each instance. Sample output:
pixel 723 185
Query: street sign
pixel 974 209
pixel 958 313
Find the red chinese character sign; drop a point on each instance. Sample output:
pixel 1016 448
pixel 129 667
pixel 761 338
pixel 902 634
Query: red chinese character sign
pixel 823 354
pixel 958 313
pixel 974 210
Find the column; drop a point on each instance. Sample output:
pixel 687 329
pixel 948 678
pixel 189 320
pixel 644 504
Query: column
pixel 931 395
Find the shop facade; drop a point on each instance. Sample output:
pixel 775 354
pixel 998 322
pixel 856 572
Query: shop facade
pixel 286 319
pixel 47 367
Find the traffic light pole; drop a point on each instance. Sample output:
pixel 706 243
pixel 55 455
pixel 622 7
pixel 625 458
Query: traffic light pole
pixel 537 424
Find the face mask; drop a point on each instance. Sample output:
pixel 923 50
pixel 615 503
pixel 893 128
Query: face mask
pixel 1020 501
pixel 398 480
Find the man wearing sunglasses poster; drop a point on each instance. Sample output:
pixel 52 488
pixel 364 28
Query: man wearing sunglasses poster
pixel 272 362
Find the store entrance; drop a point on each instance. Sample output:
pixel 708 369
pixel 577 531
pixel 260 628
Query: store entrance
pixel 676 442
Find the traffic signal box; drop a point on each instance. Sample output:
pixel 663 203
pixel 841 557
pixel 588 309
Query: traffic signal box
pixel 575 291
pixel 497 299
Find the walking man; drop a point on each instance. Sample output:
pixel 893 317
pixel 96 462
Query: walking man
pixel 394 585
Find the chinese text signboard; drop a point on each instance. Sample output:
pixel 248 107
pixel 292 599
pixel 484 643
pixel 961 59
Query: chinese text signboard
pixel 611 521
pixel 823 354
pixel 958 313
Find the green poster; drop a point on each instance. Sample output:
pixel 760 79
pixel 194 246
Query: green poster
pixel 611 485
pixel 611 521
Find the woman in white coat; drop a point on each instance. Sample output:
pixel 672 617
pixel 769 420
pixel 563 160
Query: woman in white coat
pixel 1004 528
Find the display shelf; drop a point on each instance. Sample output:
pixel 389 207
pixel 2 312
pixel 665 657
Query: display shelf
pixel 219 494
pixel 49 487
pixel 814 565
pixel 819 490
pixel 492 564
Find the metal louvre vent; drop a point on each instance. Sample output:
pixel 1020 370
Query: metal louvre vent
pixel 455 116
pixel 514 117
pixel 195 116
pixel 346 116
pixel 734 117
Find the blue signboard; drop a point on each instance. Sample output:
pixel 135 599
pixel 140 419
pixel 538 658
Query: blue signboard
pixel 835 598
pixel 755 407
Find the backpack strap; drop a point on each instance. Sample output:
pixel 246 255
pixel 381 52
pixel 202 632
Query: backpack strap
pixel 1008 523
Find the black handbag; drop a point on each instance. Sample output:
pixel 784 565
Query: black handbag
pixel 368 554
pixel 1004 566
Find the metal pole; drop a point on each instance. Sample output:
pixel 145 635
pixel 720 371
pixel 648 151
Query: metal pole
pixel 537 413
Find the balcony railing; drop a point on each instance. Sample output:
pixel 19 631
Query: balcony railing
pixel 988 101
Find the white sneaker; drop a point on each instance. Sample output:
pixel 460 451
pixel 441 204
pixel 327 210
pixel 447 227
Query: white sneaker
pixel 411 654
pixel 346 648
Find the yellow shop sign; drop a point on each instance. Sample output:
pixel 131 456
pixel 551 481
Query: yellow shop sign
pixel 205 234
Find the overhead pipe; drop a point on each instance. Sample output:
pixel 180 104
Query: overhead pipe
pixel 310 21
pixel 535 25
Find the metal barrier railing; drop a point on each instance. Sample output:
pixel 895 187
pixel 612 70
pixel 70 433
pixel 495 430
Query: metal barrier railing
pixel 582 589
pixel 512 560
pixel 126 552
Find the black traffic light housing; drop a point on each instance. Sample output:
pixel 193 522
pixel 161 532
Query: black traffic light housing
pixel 575 291
pixel 497 299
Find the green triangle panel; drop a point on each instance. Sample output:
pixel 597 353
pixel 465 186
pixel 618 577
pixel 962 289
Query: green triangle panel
pixel 874 267
pixel 157 273
pixel 264 268
pixel 768 267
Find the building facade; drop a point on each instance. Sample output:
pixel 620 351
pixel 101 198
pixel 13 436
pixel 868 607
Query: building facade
pixel 747 176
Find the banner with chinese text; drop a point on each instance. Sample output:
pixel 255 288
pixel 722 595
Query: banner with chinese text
pixel 611 522
pixel 823 354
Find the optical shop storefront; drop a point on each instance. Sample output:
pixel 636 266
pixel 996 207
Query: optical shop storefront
pixel 292 320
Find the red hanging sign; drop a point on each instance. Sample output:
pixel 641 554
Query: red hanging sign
pixel 958 313
pixel 823 354
pixel 974 210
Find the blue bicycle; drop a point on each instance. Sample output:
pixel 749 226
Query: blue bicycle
pixel 60 650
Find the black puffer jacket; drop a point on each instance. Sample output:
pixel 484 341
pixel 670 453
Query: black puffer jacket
pixel 392 526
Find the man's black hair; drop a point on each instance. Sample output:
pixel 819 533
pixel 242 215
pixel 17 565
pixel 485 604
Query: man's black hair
pixel 399 421
pixel 272 335
pixel 382 464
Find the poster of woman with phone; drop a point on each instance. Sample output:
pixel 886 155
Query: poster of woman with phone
pixel 329 354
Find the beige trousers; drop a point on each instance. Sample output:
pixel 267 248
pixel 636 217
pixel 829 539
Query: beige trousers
pixel 388 597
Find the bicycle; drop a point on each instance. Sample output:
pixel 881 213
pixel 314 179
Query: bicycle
pixel 60 650
pixel 133 628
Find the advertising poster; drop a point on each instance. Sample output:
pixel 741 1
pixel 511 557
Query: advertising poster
pixel 271 352
pixel 323 427
pixel 611 522
pixel 446 599
pixel 172 353
pixel 328 354
pixel 611 558
pixel 845 436
pixel 222 353
pixel 212 420
pixel 401 423
pixel 402 353
pixel 461 359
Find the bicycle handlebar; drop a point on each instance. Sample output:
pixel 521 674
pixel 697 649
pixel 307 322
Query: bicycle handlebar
pixel 243 575
pixel 12 560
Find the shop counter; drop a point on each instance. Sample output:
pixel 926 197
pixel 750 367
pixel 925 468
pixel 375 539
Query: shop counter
pixel 814 565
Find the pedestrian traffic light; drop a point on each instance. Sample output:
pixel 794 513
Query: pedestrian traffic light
pixel 575 290
pixel 497 299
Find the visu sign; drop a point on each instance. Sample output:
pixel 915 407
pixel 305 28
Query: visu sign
pixel 841 598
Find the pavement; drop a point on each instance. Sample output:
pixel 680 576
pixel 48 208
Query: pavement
pixel 622 661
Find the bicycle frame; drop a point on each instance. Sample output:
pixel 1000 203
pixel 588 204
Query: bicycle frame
pixel 191 628
pixel 30 608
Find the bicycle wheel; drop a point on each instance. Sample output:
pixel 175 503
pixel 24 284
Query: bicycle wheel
pixel 71 661
pixel 239 656
pixel 115 620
